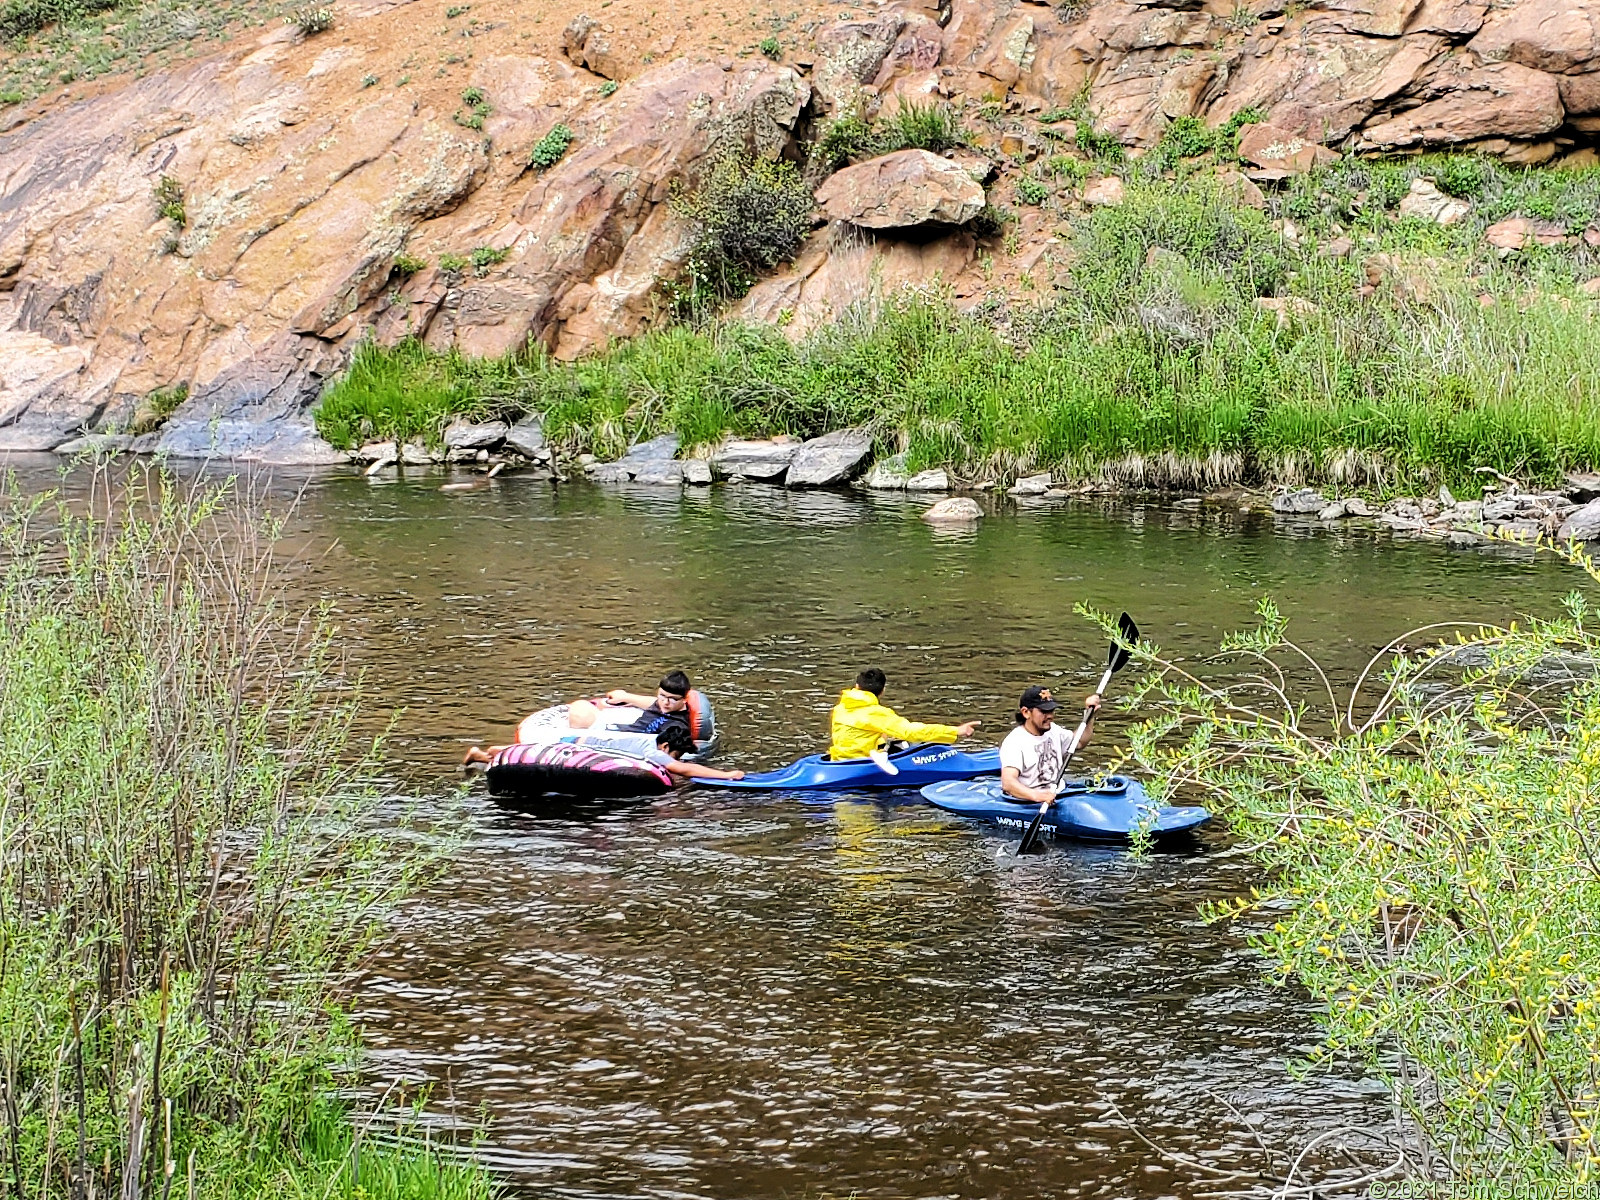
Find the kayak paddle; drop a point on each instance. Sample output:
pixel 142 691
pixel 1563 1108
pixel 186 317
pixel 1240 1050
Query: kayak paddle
pixel 1116 658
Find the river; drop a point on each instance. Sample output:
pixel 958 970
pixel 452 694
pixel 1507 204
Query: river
pixel 726 995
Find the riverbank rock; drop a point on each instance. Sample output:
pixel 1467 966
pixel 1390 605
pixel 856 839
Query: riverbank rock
pixel 936 480
pixel 901 190
pixel 888 475
pixel 1306 500
pixel 526 437
pixel 696 472
pixel 667 472
pixel 957 510
pixel 1032 485
pixel 464 435
pixel 1583 525
pixel 758 460
pixel 830 459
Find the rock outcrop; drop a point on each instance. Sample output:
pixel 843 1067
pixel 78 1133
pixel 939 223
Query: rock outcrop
pixel 332 191
pixel 901 191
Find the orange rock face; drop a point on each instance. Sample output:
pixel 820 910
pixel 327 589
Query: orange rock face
pixel 341 187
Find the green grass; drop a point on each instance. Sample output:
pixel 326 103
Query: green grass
pixel 1155 365
pixel 85 39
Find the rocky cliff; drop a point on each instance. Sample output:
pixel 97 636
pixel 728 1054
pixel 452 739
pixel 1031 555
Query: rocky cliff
pixel 408 172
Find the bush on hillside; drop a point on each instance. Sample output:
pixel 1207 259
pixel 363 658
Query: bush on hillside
pixel 748 215
pixel 22 18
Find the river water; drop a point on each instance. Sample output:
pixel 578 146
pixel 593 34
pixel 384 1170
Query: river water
pixel 727 995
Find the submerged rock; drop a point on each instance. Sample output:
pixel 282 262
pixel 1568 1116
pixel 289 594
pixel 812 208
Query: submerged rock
pixel 958 510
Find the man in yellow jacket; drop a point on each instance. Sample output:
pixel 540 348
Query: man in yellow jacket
pixel 862 723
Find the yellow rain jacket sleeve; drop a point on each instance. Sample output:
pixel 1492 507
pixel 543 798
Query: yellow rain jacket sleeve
pixel 861 725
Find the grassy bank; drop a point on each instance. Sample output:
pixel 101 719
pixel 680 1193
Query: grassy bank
pixel 1430 876
pixel 1158 363
pixel 190 865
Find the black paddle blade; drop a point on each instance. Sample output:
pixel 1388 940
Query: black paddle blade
pixel 1127 638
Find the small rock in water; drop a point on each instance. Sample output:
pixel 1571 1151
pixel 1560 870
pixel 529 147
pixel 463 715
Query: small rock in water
pixel 888 474
pixel 1355 506
pixel 1032 485
pixel 696 471
pixel 958 510
pixel 1334 512
pixel 1306 500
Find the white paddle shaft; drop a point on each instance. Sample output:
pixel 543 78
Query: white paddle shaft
pixel 1077 740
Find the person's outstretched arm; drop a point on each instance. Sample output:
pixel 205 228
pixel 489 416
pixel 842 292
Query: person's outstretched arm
pixel 690 770
pixel 632 699
pixel 887 723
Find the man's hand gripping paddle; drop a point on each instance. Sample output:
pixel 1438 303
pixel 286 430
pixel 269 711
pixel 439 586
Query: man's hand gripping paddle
pixel 1116 659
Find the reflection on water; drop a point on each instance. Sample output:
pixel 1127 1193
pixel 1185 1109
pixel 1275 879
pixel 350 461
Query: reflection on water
pixel 717 994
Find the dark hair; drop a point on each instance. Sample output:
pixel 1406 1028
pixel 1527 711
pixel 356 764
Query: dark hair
pixel 675 739
pixel 872 680
pixel 675 682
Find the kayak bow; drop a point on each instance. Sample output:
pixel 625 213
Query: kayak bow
pixel 1108 811
pixel 916 766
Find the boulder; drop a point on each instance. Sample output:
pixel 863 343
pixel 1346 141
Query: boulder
pixel 1032 485
pixel 1355 506
pixel 902 190
pixel 1582 486
pixel 96 444
pixel 1466 103
pixel 762 460
pixel 465 435
pixel 608 472
pixel 1273 148
pixel 656 450
pixel 585 43
pixel 936 480
pixel 1305 500
pixel 1558 36
pixel 696 471
pixel 1105 192
pixel 373 452
pixel 1426 202
pixel 1333 512
pixel 660 473
pixel 888 474
pixel 829 459
pixel 1583 525
pixel 849 56
pixel 1514 233
pixel 526 437
pixel 957 510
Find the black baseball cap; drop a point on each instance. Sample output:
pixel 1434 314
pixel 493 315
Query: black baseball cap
pixel 1038 697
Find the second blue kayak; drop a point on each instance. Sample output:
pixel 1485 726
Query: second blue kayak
pixel 917 765
pixel 1109 811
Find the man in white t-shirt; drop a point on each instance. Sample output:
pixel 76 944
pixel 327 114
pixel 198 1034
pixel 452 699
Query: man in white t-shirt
pixel 1034 753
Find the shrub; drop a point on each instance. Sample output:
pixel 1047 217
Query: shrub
pixel 607 89
pixel 156 408
pixel 409 264
pixel 1097 144
pixel 1053 115
pixel 844 138
pixel 749 215
pixel 1461 175
pixel 454 263
pixel 456 10
pixel 1186 137
pixel 1032 191
pixel 547 151
pixel 484 257
pixel 312 19
pixel 169 201
pixel 22 18
pixel 477 110
pixel 914 126
pixel 771 48
pixel 1427 871
pixel 206 856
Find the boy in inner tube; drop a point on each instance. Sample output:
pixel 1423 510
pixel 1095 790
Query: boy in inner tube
pixel 668 707
pixel 671 745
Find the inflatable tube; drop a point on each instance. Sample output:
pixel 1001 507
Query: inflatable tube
pixel 1108 811
pixel 550 725
pixel 589 772
pixel 918 765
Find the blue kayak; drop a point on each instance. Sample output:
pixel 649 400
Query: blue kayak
pixel 1108 811
pixel 918 765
